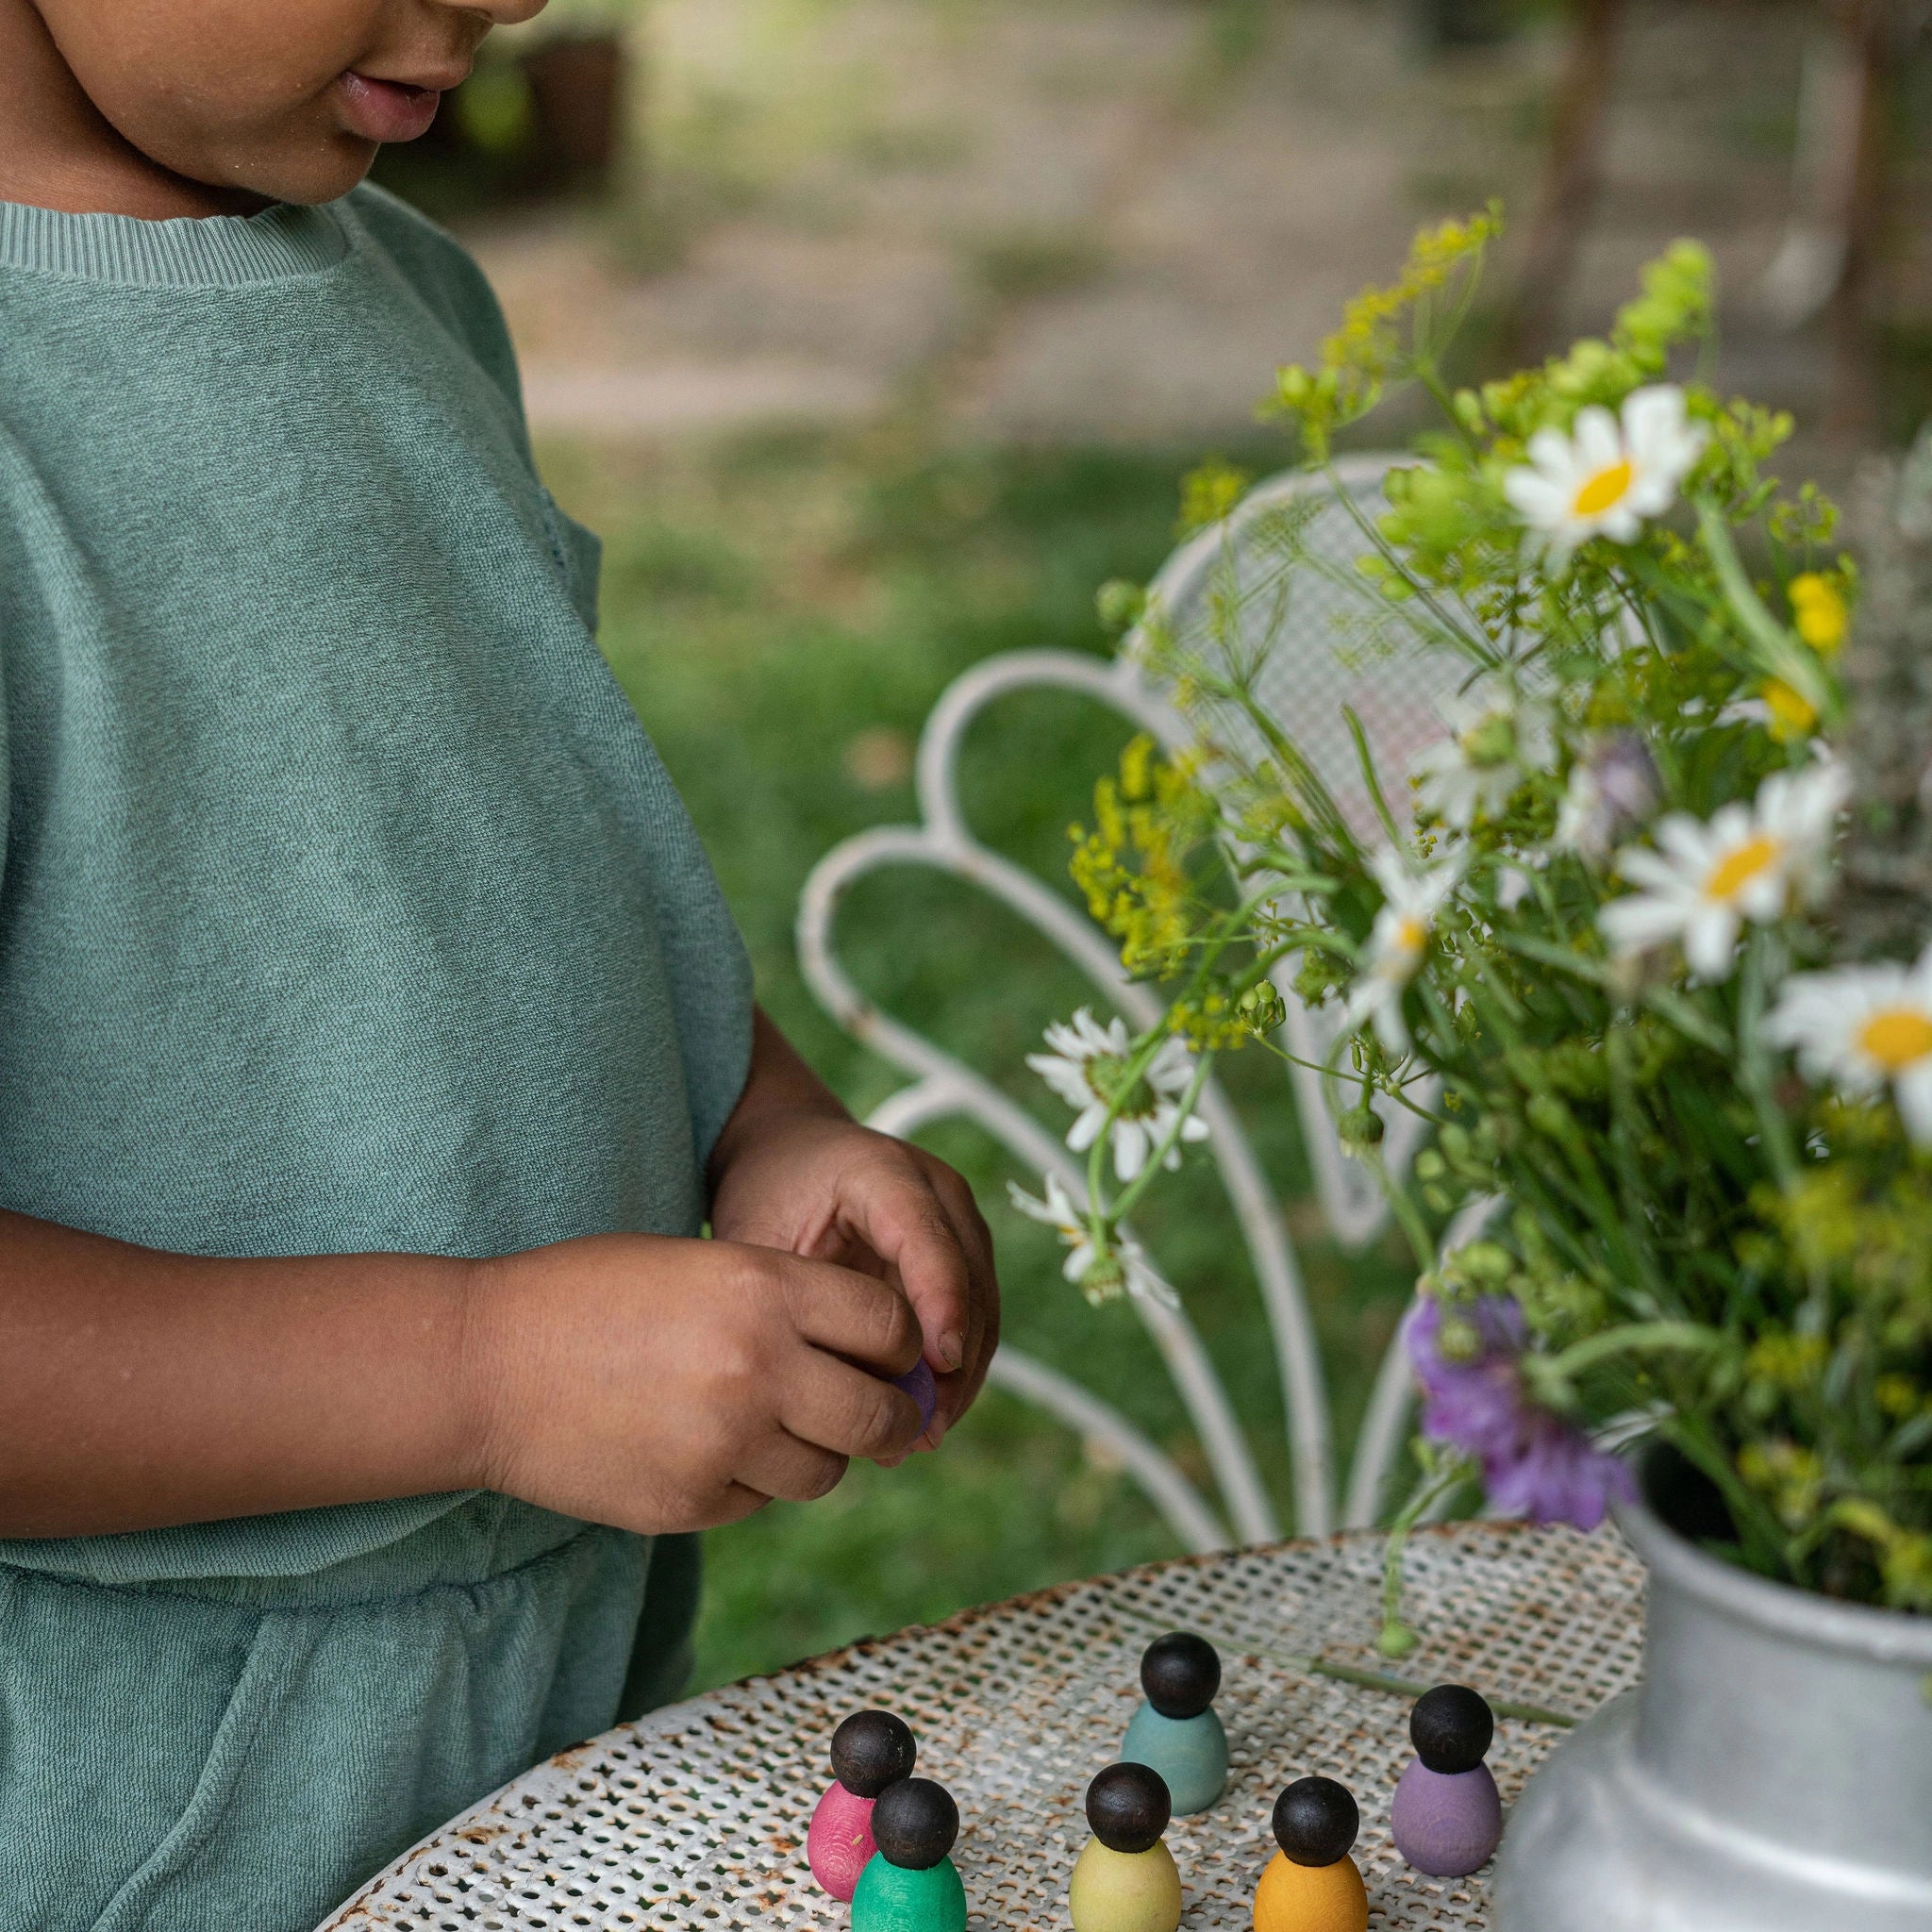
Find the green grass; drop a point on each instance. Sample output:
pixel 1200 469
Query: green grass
pixel 783 612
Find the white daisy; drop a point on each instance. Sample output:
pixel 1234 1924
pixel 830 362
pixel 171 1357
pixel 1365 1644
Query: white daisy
pixel 1747 863
pixel 1865 1028
pixel 1608 474
pixel 1132 1271
pixel 1494 739
pixel 1410 902
pixel 1087 1069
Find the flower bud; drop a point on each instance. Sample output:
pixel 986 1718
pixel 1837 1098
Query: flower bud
pixel 1105 1280
pixel 1120 605
pixel 1261 1008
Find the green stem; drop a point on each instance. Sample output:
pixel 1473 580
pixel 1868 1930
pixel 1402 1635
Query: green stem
pixel 1396 1639
pixel 1758 1531
pixel 1411 1688
pixel 1775 650
pixel 1634 1338
pixel 1407 1216
pixel 1480 649
pixel 1102 1216
pixel 1754 1064
pixel 1313 1664
pixel 1123 1203
pixel 1365 759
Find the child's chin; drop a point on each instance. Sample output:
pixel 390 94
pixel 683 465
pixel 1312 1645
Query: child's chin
pixel 315 174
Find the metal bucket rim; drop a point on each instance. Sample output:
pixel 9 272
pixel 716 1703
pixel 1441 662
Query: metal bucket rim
pixel 1868 1630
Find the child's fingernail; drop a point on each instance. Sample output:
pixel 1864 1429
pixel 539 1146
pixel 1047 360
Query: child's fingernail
pixel 952 1348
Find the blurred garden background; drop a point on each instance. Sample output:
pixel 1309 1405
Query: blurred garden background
pixel 874 335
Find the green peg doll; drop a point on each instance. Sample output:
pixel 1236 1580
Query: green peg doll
pixel 910 1885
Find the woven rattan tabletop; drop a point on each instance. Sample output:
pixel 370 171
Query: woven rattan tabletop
pixel 696 1816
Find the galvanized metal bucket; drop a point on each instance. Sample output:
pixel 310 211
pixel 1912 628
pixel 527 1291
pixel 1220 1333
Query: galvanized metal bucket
pixel 1771 1773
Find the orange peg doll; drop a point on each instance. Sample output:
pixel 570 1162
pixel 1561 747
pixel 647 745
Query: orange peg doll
pixel 1311 1884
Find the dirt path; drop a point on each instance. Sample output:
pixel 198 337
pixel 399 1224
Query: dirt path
pixel 1097 218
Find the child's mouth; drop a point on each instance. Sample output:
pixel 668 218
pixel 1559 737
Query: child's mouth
pixel 384 110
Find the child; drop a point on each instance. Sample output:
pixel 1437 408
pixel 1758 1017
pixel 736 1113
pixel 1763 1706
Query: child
pixel 373 1040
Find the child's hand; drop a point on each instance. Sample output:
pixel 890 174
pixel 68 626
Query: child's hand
pixel 794 1171
pixel 663 1385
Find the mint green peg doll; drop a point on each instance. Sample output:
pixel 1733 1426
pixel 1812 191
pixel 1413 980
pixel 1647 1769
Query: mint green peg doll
pixel 1175 1731
pixel 910 1885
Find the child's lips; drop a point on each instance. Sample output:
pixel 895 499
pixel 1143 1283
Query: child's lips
pixel 386 110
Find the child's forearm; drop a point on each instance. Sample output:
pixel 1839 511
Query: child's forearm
pixel 648 1381
pixel 142 1388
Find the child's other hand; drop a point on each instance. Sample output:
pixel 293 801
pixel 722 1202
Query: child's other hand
pixel 662 1385
pixel 794 1171
pixel 824 1187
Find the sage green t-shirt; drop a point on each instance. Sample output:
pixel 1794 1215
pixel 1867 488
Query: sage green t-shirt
pixel 345 905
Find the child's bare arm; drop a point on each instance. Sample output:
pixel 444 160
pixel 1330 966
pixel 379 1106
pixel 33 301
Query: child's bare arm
pixel 653 1383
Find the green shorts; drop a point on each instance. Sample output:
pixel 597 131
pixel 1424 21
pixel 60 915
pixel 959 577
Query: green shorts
pixel 241 1754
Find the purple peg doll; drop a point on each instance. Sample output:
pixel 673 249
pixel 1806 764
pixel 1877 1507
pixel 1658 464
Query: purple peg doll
pixel 1447 1819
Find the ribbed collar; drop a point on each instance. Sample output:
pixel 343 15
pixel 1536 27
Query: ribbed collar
pixel 214 251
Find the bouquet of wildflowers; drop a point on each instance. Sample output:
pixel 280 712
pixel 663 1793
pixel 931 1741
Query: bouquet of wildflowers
pixel 1641 934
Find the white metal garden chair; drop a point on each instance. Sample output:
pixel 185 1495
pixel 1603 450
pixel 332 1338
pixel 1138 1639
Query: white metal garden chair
pixel 1235 575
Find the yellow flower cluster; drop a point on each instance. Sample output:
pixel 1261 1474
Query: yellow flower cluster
pixel 1905 1556
pixel 1361 357
pixel 1787 1365
pixel 1820 613
pixel 1132 866
pixel 1674 307
pixel 1792 714
pixel 1210 493
pixel 1788 1476
pixel 1216 1024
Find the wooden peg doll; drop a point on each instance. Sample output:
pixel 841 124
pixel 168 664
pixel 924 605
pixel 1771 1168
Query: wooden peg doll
pixel 910 1885
pixel 1125 1879
pixel 920 1384
pixel 1447 1818
pixel 1175 1730
pixel 1311 1884
pixel 870 1750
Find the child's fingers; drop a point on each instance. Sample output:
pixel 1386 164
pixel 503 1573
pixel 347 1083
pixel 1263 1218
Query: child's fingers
pixel 782 1465
pixel 834 1406
pixel 732 1503
pixel 983 1320
pixel 851 1314
pixel 897 1214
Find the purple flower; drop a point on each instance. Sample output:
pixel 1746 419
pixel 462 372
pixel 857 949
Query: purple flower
pixel 1534 1463
pixel 1613 788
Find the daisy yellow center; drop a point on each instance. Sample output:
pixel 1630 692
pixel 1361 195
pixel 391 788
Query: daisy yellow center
pixel 1605 490
pixel 1106 1077
pixel 1412 934
pixel 1741 865
pixel 1491 742
pixel 1896 1038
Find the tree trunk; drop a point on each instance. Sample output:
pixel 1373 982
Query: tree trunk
pixel 1867 31
pixel 1572 175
